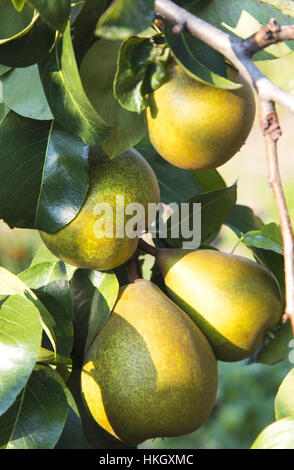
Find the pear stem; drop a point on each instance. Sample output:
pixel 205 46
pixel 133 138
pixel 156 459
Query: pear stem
pixel 147 248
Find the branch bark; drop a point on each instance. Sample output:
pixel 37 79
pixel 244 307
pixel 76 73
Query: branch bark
pixel 240 52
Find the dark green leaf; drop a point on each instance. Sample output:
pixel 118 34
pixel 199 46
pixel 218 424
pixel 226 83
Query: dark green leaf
pixel 208 180
pixel 215 208
pixel 278 435
pixel 20 340
pixel 66 96
pixel 284 401
pixel 199 60
pixel 140 69
pixel 176 185
pixel 22 92
pixel 54 12
pixel 97 72
pixel 84 25
pixel 37 417
pixel 50 284
pixel 25 41
pixel 125 17
pixel 43 165
pixel 94 295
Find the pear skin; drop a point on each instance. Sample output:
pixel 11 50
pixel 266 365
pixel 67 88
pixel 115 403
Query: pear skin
pixel 82 242
pixel 196 126
pixel 150 372
pixel 232 299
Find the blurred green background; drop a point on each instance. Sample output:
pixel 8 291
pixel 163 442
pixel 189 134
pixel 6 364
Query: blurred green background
pixel 245 402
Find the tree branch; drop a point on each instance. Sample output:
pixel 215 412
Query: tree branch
pixel 239 52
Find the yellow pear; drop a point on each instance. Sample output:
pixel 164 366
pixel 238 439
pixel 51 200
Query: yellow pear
pixel 232 299
pixel 150 372
pixel 196 126
pixel 87 243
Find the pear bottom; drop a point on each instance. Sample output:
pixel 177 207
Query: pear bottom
pixel 150 372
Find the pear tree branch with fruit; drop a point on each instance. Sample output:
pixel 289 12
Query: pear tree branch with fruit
pixel 239 52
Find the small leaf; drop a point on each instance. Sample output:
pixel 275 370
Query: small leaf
pixel 284 401
pixel 37 417
pixel 140 70
pixel 208 180
pixel 275 347
pixel 94 295
pixel 124 18
pixel 54 12
pixel 20 340
pixel 22 92
pixel 97 73
pixel 199 60
pixel 268 238
pixel 278 435
pixel 66 96
pixel 19 4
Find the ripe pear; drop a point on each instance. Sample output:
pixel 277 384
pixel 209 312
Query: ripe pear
pixel 196 126
pixel 87 243
pixel 232 299
pixel 150 372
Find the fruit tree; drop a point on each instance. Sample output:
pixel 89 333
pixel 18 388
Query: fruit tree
pixel 117 120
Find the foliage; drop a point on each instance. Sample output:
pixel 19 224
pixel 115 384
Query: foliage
pixel 50 312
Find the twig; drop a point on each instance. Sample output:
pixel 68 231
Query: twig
pixel 239 52
pixel 271 130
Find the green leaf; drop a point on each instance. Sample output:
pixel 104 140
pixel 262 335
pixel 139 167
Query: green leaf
pixel 94 295
pixel 43 255
pixel 84 25
pixel 19 4
pixel 97 73
pixel 216 206
pixel 12 285
pixel 275 347
pixel 208 180
pixel 284 401
pixel 65 94
pixel 54 12
pixel 242 18
pixel 20 340
pixel 43 165
pixel 243 219
pixel 50 284
pixel 25 37
pixel 278 435
pixel 72 436
pixel 37 417
pixel 124 18
pixel 268 238
pixel 199 60
pixel 176 185
pixel 22 92
pixel 140 70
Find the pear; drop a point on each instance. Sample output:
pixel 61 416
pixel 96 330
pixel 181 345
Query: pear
pixel 196 126
pixel 150 372
pixel 233 300
pixel 86 244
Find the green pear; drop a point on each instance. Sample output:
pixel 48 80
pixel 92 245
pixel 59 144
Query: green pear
pixel 150 372
pixel 197 126
pixel 87 243
pixel 233 300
